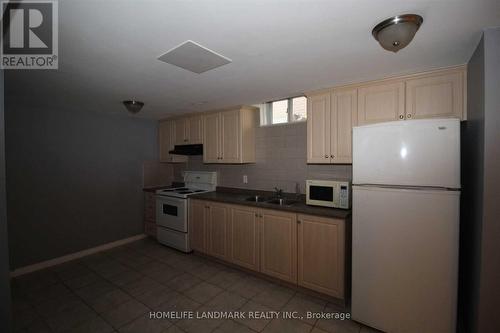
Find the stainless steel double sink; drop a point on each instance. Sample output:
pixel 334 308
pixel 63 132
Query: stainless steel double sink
pixel 272 200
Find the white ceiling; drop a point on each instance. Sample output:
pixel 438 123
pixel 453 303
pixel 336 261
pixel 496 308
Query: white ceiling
pixel 108 50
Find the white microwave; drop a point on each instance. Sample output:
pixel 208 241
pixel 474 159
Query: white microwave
pixel 328 193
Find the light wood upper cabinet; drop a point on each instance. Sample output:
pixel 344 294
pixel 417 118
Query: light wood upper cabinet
pixel 166 143
pixel 380 102
pixel 198 225
pixel 318 128
pixel 165 139
pixel 343 118
pixel 330 118
pixel 218 231
pixel 195 129
pixel 321 254
pixel 244 237
pixel 229 136
pixel 188 130
pixel 181 130
pixel 230 133
pixel 211 145
pixel 439 95
pixel 331 114
pixel 278 246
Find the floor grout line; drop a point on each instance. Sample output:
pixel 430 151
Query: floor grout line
pixel 144 254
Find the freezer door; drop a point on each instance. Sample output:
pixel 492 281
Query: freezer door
pixel 405 259
pixel 408 153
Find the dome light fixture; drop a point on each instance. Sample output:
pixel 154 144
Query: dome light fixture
pixel 133 106
pixel 397 32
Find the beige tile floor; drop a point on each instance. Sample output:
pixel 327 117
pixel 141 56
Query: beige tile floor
pixel 116 290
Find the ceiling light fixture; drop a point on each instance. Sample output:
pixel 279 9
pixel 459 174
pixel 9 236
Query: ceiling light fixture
pixel 397 32
pixel 133 106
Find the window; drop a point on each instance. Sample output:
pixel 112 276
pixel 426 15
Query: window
pixel 284 111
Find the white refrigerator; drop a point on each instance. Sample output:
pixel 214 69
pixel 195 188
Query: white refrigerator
pixel 405 225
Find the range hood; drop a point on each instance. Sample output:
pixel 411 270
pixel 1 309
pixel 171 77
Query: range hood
pixel 188 150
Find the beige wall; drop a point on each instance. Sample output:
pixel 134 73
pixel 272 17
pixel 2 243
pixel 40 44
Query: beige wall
pixel 281 162
pixel 480 223
pixel 489 291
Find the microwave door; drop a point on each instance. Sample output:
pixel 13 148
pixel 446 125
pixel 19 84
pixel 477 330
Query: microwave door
pixel 321 195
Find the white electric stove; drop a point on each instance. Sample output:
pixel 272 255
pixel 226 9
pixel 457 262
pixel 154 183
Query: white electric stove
pixel 172 208
pixel 180 192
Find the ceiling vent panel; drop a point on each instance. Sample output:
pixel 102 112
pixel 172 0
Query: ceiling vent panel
pixel 194 57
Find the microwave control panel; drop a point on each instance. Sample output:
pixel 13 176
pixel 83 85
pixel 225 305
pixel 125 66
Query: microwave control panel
pixel 344 197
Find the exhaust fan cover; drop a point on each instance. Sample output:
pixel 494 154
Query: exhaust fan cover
pixel 194 57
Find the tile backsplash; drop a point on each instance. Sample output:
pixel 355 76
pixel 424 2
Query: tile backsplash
pixel 280 161
pixel 155 173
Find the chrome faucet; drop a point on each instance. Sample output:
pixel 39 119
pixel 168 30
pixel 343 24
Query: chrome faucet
pixel 279 192
pixel 297 189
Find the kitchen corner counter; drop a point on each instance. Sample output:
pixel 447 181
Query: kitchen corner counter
pixel 238 196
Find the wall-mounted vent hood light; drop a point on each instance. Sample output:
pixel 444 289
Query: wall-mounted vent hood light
pixel 189 150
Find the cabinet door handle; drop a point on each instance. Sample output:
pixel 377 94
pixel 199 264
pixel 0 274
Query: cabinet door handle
pixel 332 156
pixel 299 221
pixel 256 215
pixel 408 115
pixel 401 116
pixel 326 156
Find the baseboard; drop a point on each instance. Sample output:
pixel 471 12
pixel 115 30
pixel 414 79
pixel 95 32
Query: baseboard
pixel 73 256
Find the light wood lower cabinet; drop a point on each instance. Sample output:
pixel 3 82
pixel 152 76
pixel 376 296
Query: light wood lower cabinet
pixel 218 230
pixel 310 253
pixel 278 246
pixel 198 225
pixel 321 254
pixel 245 237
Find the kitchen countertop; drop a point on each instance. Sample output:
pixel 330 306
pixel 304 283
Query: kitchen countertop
pixel 238 196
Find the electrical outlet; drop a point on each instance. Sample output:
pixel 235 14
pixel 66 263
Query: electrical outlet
pixel 245 179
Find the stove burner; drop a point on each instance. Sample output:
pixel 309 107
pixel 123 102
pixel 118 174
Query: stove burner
pixel 175 189
pixel 184 192
pixel 200 191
